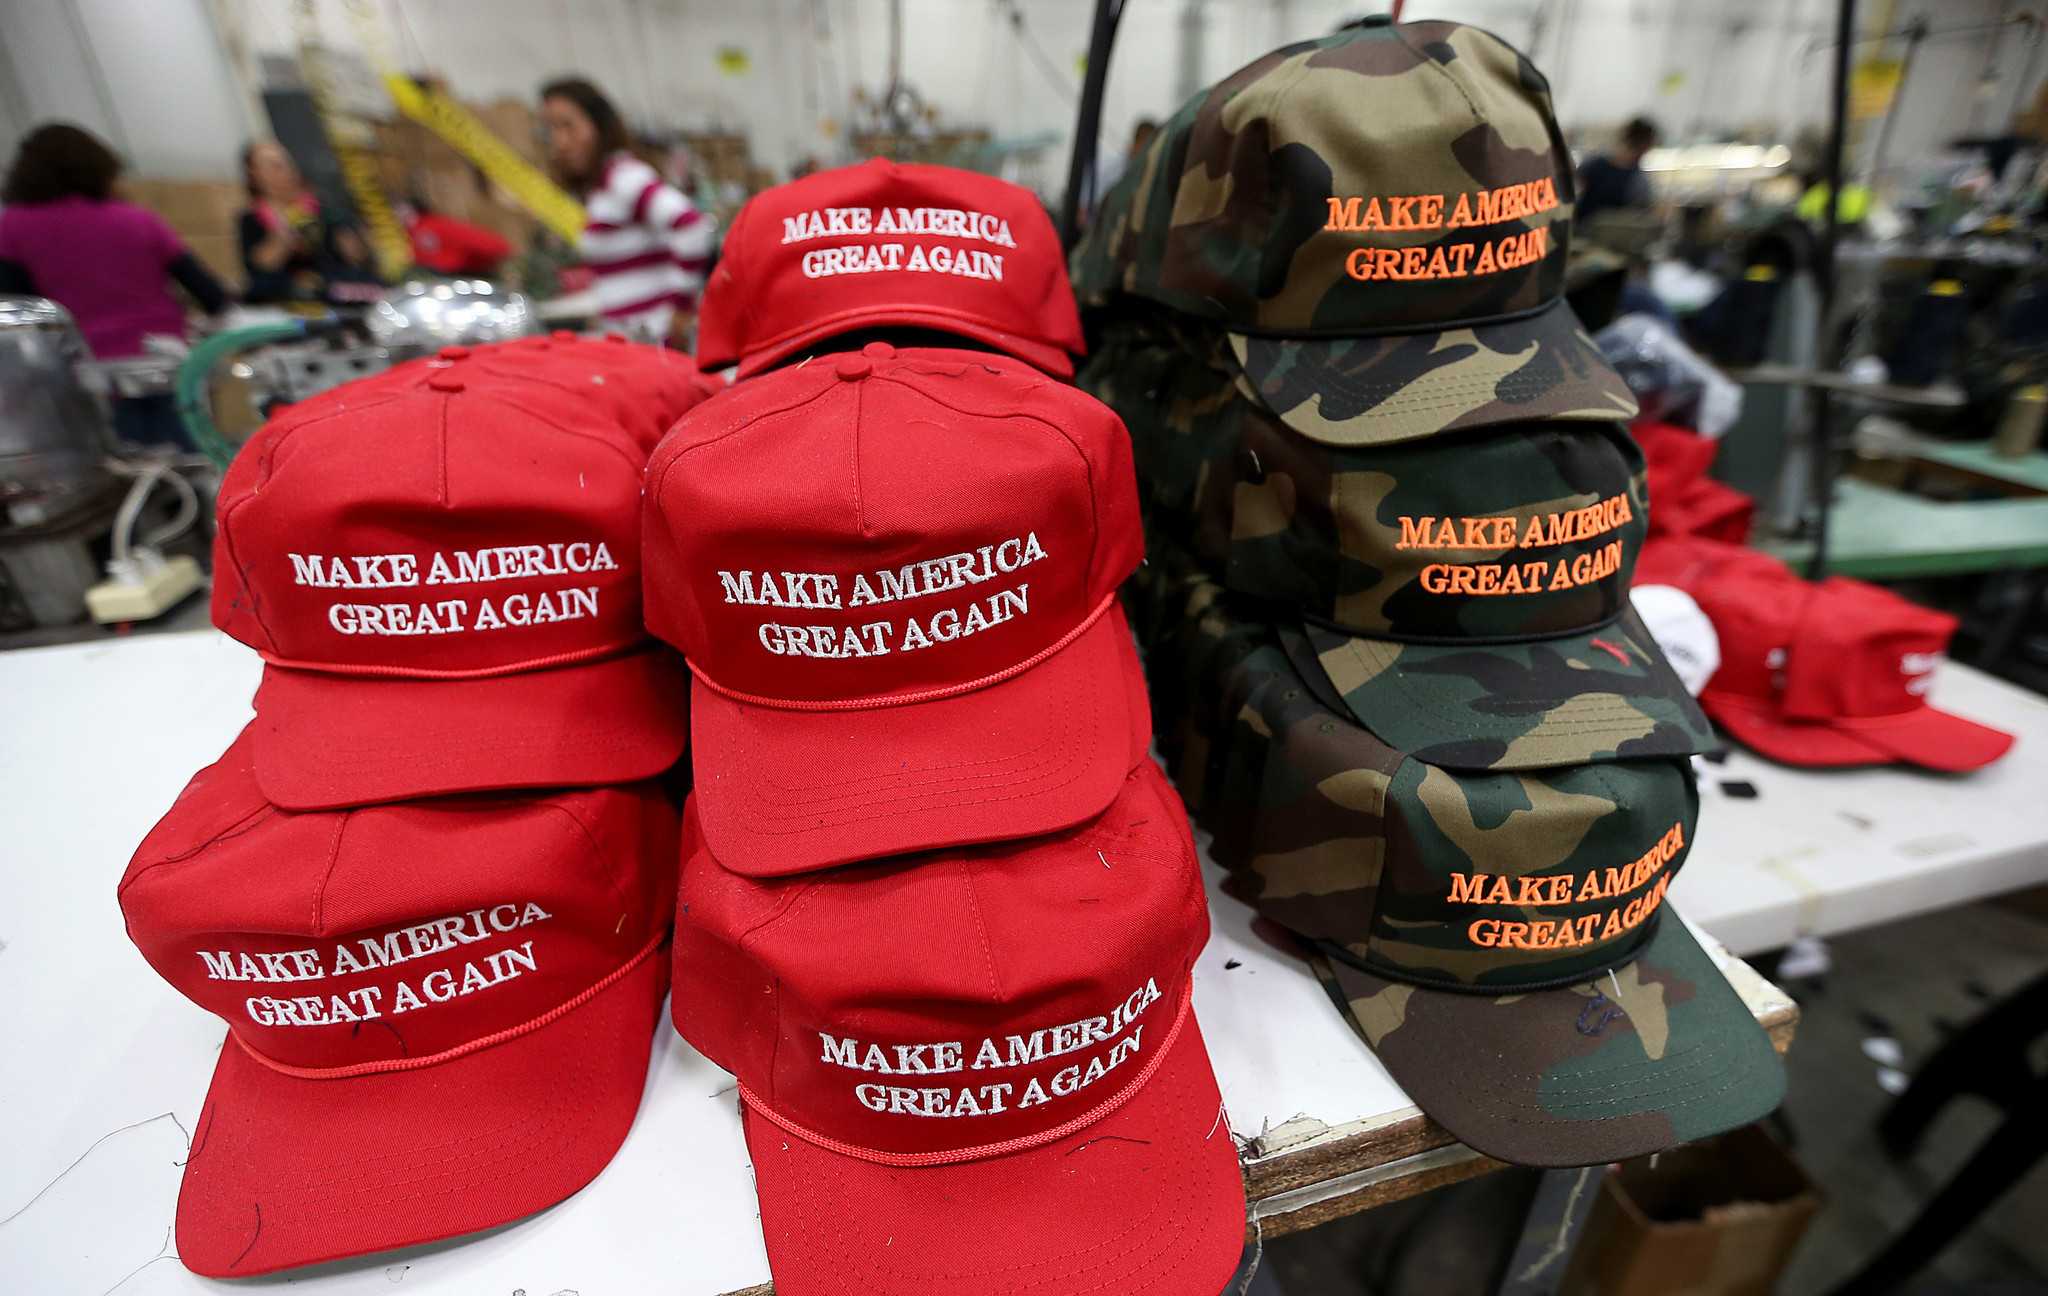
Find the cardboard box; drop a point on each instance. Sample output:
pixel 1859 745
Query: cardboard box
pixel 2032 122
pixel 515 122
pixel 222 254
pixel 1716 1218
pixel 720 157
pixel 194 208
pixel 405 148
pixel 203 212
pixel 416 163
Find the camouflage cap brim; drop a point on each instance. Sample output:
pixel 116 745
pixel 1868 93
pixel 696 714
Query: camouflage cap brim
pixel 1357 391
pixel 1604 695
pixel 1655 1053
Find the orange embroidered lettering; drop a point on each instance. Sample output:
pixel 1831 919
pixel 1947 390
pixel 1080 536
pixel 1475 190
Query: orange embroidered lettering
pixel 1465 887
pixel 1343 214
pixel 1414 532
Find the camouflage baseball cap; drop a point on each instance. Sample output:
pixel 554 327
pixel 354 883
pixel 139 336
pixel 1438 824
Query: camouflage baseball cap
pixel 1499 940
pixel 1173 383
pixel 1382 218
pixel 1468 595
pixel 1196 642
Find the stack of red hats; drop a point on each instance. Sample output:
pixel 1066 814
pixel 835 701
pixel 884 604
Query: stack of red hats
pixel 429 887
pixel 1829 674
pixel 939 911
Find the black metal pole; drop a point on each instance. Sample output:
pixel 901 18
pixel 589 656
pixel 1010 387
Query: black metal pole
pixel 1822 445
pixel 1088 122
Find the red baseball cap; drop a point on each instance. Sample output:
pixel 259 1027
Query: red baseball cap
pixel 890 243
pixel 1701 507
pixel 977 1071
pixel 1681 453
pixel 1836 674
pixel 894 577
pixel 1691 561
pixel 442 578
pixel 439 1012
pixel 1688 502
pixel 643 389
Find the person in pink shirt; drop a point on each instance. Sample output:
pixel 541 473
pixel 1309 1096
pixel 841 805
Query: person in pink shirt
pixel 63 235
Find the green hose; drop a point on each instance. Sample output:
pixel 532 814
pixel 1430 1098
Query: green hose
pixel 195 404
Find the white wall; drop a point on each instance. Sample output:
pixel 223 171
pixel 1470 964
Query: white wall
pixel 147 75
pixel 155 75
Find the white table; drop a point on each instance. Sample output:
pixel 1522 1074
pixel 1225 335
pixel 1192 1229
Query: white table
pixel 104 1062
pixel 1824 851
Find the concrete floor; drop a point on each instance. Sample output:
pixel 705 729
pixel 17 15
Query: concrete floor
pixel 1914 981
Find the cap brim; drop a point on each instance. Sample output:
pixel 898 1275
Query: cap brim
pixel 1657 1053
pixel 1924 737
pixel 1606 695
pixel 287 1171
pixel 781 791
pixel 325 741
pixel 1351 391
pixel 1147 1199
pixel 1041 355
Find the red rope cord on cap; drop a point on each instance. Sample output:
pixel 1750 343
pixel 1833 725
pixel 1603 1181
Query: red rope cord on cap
pixel 1096 1113
pixel 619 648
pixel 908 699
pixel 460 1050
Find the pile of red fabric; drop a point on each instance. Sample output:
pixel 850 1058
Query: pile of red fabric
pixel 1685 501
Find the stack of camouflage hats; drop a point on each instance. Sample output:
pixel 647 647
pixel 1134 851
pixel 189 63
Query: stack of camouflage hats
pixel 1392 512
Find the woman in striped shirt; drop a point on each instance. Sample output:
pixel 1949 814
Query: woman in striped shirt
pixel 647 245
